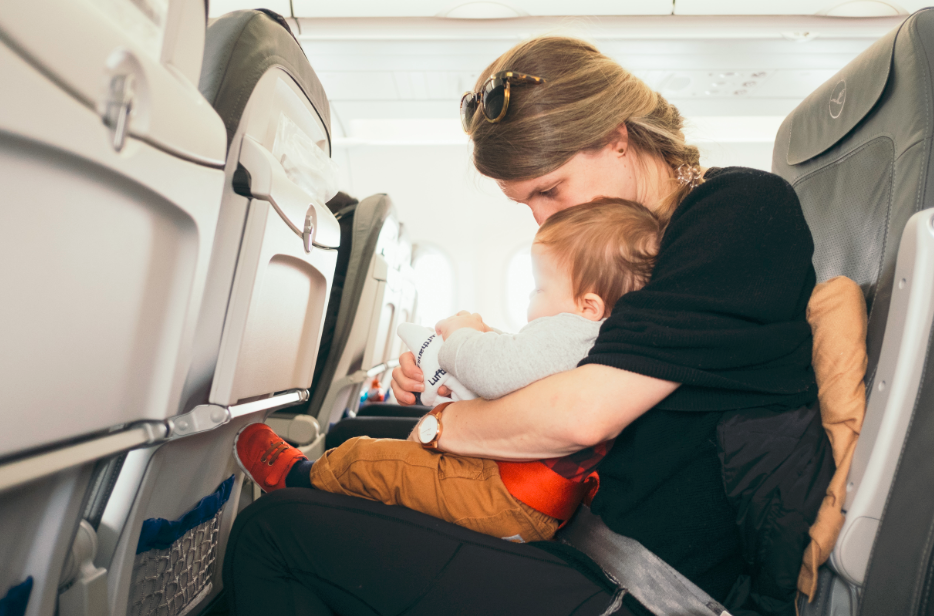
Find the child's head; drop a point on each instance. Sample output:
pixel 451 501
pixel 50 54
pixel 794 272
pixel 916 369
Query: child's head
pixel 586 257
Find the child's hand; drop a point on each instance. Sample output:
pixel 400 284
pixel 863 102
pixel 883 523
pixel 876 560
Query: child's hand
pixel 462 319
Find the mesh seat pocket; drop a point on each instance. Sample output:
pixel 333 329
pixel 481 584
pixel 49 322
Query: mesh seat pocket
pixel 176 560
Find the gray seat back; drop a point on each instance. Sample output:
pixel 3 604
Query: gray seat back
pixel 348 320
pixel 260 82
pixel 858 153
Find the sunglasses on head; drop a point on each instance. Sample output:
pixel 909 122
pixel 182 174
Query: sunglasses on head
pixel 493 97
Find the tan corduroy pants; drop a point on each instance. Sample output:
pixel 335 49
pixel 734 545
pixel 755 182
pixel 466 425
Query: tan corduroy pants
pixel 458 489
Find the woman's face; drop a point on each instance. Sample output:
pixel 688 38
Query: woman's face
pixel 588 175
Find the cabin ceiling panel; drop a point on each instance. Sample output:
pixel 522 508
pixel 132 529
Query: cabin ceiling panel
pixel 221 7
pixel 344 112
pixel 359 85
pixel 472 14
pixel 448 131
pixel 478 10
pixel 427 50
pixel 646 27
pixel 840 8
pixel 450 86
pixel 399 80
pixel 466 60
pixel 794 84
pixel 347 111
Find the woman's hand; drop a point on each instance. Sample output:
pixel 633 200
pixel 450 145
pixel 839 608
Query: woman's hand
pixel 462 319
pixel 407 380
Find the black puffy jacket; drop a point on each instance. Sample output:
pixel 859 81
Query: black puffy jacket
pixel 776 469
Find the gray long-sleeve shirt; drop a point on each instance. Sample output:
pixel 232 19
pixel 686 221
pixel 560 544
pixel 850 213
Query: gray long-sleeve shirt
pixel 493 364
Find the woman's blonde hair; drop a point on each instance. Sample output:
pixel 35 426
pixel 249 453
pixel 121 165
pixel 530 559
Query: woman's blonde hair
pixel 585 100
pixel 607 246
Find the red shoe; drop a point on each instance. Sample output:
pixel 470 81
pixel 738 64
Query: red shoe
pixel 264 456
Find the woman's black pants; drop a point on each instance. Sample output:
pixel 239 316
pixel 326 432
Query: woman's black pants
pixel 305 552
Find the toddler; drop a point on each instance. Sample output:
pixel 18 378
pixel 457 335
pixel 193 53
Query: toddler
pixel 584 259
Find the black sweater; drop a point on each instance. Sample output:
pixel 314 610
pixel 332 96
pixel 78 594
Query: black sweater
pixel 724 315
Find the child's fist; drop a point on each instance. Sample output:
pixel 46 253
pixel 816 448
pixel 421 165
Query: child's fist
pixel 462 319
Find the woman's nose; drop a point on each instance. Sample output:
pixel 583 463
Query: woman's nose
pixel 540 214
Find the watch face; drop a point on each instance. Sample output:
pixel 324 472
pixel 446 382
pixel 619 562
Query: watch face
pixel 427 429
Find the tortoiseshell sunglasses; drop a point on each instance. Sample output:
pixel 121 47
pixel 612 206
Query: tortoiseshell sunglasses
pixel 493 97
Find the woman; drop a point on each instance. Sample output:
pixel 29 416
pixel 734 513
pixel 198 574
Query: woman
pixel 716 339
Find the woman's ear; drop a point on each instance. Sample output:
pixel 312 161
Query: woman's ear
pixel 591 306
pixel 619 142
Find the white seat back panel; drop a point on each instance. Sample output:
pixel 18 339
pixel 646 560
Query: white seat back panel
pixel 276 311
pixel 107 254
pixel 892 399
pixel 275 314
pixel 101 42
pixel 401 290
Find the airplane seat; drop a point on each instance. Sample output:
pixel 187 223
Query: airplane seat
pixel 377 420
pixel 858 153
pixel 387 409
pixel 164 529
pixel 112 167
pixel 363 314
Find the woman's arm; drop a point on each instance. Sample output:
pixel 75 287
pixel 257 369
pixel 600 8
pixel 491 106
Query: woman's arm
pixel 553 417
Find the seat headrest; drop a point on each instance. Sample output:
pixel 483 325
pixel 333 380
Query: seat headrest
pixel 239 48
pixel 836 107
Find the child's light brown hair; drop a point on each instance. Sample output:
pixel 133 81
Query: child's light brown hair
pixel 608 245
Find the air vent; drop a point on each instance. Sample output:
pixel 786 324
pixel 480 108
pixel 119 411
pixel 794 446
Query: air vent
pixel 709 84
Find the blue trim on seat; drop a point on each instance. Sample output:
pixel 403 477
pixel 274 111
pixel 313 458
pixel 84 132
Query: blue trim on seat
pixel 159 533
pixel 16 599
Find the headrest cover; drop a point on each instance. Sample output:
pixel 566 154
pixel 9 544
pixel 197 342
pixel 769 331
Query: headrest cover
pixel 836 107
pixel 239 48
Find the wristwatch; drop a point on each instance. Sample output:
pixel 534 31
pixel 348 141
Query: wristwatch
pixel 428 429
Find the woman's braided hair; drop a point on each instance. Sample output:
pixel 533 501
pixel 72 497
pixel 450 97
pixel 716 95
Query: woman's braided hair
pixel 585 100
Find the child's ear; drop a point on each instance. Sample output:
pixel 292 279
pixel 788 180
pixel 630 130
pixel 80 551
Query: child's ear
pixel 591 306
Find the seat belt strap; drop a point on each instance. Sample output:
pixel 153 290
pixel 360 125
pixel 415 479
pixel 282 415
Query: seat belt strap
pixel 645 576
pixel 544 490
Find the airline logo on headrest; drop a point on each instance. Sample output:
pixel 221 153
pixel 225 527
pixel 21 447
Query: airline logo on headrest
pixel 837 98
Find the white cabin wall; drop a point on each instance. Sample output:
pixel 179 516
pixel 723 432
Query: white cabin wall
pixel 443 201
pixel 756 155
